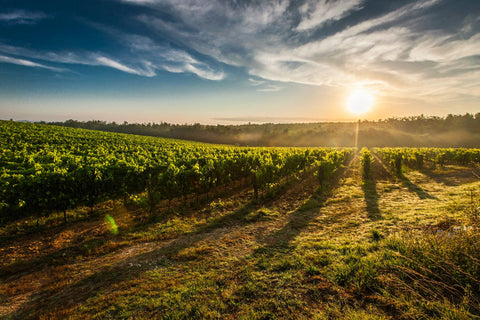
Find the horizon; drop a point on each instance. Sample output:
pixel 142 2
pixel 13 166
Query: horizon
pixel 217 62
pixel 249 121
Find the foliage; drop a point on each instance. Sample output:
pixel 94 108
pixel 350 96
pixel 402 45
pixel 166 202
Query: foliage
pixel 49 168
pixel 366 161
pixel 329 164
pixel 452 130
pixel 416 158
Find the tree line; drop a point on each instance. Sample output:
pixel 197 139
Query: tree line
pixel 416 131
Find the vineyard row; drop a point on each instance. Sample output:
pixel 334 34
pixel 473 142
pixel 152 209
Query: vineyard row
pixel 45 169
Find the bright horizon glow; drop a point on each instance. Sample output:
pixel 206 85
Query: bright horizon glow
pixel 359 101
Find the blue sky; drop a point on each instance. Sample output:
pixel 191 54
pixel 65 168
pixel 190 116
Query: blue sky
pixel 211 61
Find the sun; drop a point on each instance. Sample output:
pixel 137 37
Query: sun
pixel 359 101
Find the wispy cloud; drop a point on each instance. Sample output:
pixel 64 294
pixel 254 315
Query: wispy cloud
pixel 391 51
pixel 445 48
pixel 255 82
pixel 28 63
pixel 143 68
pixel 225 31
pixel 397 48
pixel 199 70
pixel 146 57
pixel 153 56
pixel 148 71
pixel 22 17
pixel 316 13
pixel 167 59
pixel 270 88
pixel 264 86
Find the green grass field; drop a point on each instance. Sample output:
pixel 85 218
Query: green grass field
pixel 383 248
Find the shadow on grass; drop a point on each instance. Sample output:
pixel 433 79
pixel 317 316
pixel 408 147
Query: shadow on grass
pixel 440 178
pixel 59 257
pixel 421 193
pixel 72 295
pixel 381 167
pixel 299 220
pixel 380 170
pixel 80 291
pixel 369 188
pixel 302 217
pixel 453 179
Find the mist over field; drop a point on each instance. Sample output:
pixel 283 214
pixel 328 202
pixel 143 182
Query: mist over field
pixel 420 131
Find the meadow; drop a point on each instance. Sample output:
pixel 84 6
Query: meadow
pixel 157 228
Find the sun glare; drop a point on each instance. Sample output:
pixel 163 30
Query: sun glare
pixel 360 101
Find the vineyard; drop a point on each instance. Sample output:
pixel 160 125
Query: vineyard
pixel 45 168
pixel 418 158
pixel 181 230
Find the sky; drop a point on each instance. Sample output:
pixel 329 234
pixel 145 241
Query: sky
pixel 233 61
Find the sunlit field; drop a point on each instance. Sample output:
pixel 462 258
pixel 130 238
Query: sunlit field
pixel 377 234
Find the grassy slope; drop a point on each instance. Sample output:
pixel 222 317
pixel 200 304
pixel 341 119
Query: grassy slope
pixel 302 254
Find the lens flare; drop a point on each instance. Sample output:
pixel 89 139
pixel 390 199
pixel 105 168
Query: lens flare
pixel 111 224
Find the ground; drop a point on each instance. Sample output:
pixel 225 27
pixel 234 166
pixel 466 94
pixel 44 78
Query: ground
pixel 305 252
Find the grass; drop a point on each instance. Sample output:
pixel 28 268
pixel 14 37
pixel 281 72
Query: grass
pixel 376 247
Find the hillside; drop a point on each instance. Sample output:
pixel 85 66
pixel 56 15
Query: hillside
pixel 420 131
pixel 49 168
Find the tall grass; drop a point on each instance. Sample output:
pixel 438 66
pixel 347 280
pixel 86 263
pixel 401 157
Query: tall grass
pixel 421 275
pixel 437 274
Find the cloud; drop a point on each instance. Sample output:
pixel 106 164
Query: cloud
pixel 404 50
pixel 144 68
pixel 270 88
pixel 141 1
pixel 199 70
pixel 445 48
pixel 145 56
pixel 169 59
pixel 225 31
pixel 22 17
pixel 317 13
pixel 255 82
pixel 148 71
pixel 27 63
pixel 264 86
pixel 158 56
pixel 398 48
pixel 164 58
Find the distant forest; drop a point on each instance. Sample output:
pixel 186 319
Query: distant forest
pixel 416 131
